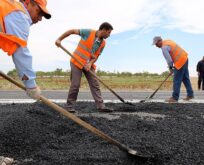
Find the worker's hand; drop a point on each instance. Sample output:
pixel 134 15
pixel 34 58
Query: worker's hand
pixel 93 56
pixel 34 93
pixel 171 69
pixel 87 67
pixel 58 43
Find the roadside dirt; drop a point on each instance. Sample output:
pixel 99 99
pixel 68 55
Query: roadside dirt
pixel 34 134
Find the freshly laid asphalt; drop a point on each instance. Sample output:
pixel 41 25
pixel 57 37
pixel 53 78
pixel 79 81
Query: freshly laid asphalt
pixel 171 134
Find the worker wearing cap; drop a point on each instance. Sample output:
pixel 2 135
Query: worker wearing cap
pixel 177 60
pixel 87 52
pixel 15 21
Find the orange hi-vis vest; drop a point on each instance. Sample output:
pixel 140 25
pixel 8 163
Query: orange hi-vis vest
pixel 83 51
pixel 9 43
pixel 178 55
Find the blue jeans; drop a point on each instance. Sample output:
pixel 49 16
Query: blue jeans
pixel 182 75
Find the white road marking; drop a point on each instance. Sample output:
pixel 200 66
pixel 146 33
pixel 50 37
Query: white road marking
pixel 10 101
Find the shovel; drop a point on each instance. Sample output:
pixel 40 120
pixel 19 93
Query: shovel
pixel 82 123
pixel 111 90
pixel 152 95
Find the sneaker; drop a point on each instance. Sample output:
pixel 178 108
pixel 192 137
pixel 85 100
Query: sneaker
pixel 105 109
pixel 188 98
pixel 171 100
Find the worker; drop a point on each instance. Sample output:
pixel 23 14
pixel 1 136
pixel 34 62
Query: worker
pixel 15 21
pixel 89 48
pixel 200 70
pixel 177 60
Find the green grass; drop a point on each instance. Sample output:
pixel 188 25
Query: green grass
pixel 115 82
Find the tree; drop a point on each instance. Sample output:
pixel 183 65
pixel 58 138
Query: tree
pixel 12 73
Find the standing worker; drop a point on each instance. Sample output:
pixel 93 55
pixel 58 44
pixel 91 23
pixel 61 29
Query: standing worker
pixel 177 60
pixel 88 50
pixel 15 21
pixel 200 70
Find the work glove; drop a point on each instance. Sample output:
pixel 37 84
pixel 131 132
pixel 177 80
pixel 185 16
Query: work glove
pixel 34 93
pixel 6 160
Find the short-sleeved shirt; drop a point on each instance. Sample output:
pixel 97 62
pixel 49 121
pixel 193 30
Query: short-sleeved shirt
pixel 84 33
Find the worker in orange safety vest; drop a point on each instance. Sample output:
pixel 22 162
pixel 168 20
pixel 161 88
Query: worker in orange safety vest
pixel 87 52
pixel 15 21
pixel 177 60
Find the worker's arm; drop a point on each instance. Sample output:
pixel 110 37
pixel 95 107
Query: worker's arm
pixel 90 63
pixel 92 60
pixel 198 68
pixel 17 23
pixel 66 34
pixel 167 56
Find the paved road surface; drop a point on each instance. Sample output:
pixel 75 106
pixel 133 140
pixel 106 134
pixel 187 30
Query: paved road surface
pixel 128 95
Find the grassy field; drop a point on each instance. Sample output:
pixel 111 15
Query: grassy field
pixel 117 83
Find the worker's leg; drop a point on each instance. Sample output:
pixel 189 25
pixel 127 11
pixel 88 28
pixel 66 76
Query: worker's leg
pixel 177 80
pixel 95 89
pixel 186 81
pixel 202 82
pixel 75 78
pixel 199 81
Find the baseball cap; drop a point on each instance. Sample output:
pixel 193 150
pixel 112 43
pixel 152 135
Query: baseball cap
pixel 156 39
pixel 42 4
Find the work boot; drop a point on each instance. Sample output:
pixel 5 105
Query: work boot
pixel 69 108
pixel 171 100
pixel 6 160
pixel 105 109
pixel 188 98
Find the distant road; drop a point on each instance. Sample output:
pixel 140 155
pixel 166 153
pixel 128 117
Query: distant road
pixel 128 95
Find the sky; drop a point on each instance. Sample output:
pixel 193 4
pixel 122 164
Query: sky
pixel 129 48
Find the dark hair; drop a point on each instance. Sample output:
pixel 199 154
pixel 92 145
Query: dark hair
pixel 106 26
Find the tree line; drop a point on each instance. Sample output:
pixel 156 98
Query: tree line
pixel 60 72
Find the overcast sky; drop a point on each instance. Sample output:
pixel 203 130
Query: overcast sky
pixel 129 47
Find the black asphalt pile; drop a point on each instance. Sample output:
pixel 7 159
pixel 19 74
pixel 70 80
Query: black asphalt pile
pixel 34 134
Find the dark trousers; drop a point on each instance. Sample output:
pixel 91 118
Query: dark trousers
pixel 201 81
pixel 76 75
pixel 182 75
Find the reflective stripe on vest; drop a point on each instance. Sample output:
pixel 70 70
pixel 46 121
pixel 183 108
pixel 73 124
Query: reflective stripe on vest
pixel 9 43
pixel 84 52
pixel 178 55
pixel 84 47
pixel 81 55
